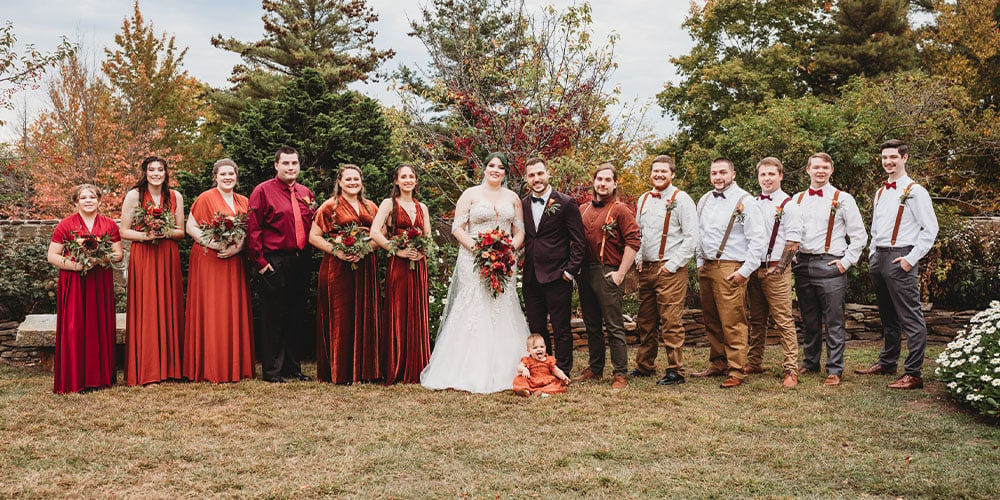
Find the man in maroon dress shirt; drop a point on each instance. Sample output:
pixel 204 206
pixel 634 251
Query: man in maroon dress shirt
pixel 278 220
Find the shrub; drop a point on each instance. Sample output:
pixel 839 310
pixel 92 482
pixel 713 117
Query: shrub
pixel 970 365
pixel 963 268
pixel 27 280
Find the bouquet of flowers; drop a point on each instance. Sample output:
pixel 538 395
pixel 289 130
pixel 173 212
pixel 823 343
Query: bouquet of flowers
pixel 154 220
pixel 88 250
pixel 494 254
pixel 225 229
pixel 414 238
pixel 351 239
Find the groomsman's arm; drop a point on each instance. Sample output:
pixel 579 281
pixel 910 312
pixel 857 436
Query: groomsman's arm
pixel 577 241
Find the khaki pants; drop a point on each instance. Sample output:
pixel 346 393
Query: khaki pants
pixel 772 295
pixel 723 305
pixel 661 306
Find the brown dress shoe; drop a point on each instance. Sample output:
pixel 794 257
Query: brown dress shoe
pixel 753 369
pixel 803 370
pixel 731 382
pixel 587 374
pixel 619 382
pixel 832 381
pixel 711 371
pixel 876 369
pixel 791 380
pixel 907 382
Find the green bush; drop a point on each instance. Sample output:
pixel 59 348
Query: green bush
pixel 27 280
pixel 962 270
pixel 970 365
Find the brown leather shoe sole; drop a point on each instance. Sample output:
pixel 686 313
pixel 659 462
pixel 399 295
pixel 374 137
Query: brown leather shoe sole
pixel 875 369
pixel 586 375
pixel 907 382
pixel 832 381
pixel 731 382
pixel 791 380
pixel 620 382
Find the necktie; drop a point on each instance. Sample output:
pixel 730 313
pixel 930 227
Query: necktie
pixel 890 185
pixel 764 197
pixel 816 192
pixel 300 232
pixel 535 199
pixel 718 194
pixel 654 194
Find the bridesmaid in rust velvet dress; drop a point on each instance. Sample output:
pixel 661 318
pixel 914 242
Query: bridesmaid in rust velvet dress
pixel 349 347
pixel 406 328
pixel 218 336
pixel 155 323
pixel 85 302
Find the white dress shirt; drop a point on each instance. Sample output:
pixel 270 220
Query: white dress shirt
pixel 918 226
pixel 847 223
pixel 747 242
pixel 537 209
pixel 682 234
pixel 790 227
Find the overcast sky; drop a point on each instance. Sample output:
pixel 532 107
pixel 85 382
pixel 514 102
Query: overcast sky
pixel 650 32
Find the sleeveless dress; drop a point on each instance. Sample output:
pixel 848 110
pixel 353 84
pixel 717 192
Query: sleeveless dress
pixel 482 337
pixel 406 299
pixel 218 336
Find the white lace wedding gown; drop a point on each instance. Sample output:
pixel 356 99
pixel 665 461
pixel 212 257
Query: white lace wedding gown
pixel 482 338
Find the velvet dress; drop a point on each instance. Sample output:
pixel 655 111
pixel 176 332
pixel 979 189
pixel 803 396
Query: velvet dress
pixel 85 316
pixel 406 299
pixel 155 323
pixel 218 334
pixel 349 347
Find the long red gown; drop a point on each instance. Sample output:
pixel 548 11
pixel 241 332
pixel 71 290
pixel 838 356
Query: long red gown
pixel 407 327
pixel 348 312
pixel 218 335
pixel 155 323
pixel 85 316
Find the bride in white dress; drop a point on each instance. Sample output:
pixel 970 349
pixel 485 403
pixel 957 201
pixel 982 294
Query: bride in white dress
pixel 482 337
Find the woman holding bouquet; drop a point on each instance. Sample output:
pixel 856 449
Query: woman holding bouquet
pixel 403 228
pixel 348 313
pixel 218 340
pixel 83 247
pixel 152 219
pixel 483 331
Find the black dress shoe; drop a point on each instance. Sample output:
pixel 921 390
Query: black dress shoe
pixel 671 378
pixel 274 380
pixel 638 373
pixel 299 376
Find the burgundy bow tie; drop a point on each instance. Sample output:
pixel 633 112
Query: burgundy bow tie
pixel 890 185
pixel 764 197
pixel 654 194
pixel 816 192
pixel 718 194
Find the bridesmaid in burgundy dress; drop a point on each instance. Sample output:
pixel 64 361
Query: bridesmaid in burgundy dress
pixel 85 302
pixel 407 328
pixel 349 347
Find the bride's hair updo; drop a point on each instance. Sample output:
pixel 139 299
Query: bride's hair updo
pixel 503 160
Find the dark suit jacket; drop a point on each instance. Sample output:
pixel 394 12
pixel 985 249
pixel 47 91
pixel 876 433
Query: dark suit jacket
pixel 557 244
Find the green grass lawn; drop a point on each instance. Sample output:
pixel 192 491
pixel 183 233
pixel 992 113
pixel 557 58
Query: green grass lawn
pixel 254 439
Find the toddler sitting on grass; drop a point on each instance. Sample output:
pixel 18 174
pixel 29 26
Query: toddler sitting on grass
pixel 537 372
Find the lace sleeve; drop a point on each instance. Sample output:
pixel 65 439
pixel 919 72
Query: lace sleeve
pixel 461 219
pixel 518 223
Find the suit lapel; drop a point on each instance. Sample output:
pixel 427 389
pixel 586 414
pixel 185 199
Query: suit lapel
pixel 529 219
pixel 553 199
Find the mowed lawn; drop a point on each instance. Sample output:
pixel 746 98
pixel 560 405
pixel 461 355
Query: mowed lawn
pixel 306 439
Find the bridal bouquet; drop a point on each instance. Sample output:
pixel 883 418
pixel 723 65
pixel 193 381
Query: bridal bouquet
pixel 90 251
pixel 351 239
pixel 225 229
pixel 414 238
pixel 154 220
pixel 494 255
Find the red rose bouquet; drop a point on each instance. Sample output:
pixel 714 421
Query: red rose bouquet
pixel 153 219
pixel 414 238
pixel 89 251
pixel 351 239
pixel 225 229
pixel 494 254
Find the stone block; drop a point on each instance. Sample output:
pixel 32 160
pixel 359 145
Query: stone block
pixel 39 330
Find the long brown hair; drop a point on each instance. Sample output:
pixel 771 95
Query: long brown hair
pixel 167 197
pixel 391 222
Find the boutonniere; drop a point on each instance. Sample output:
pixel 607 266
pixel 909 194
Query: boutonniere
pixel 778 213
pixel 671 205
pixel 609 226
pixel 309 201
pixel 552 207
pixel 834 205
pixel 905 196
pixel 739 213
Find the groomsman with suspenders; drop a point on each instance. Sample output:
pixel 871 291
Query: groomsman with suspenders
pixel 668 222
pixel 832 240
pixel 904 227
pixel 731 246
pixel 769 292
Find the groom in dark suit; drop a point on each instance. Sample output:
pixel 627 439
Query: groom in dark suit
pixel 553 253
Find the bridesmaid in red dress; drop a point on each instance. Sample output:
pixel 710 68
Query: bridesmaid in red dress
pixel 407 328
pixel 85 303
pixel 348 313
pixel 155 323
pixel 218 339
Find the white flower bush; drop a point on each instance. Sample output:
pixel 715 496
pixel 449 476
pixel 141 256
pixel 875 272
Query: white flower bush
pixel 970 365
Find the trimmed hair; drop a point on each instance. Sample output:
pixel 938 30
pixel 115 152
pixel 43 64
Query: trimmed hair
pixel 771 161
pixel 614 174
pixel 723 159
pixel 534 160
pixel 822 156
pixel 532 338
pixel 896 144
pixel 74 195
pixel 663 159
pixel 225 162
pixel 284 150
